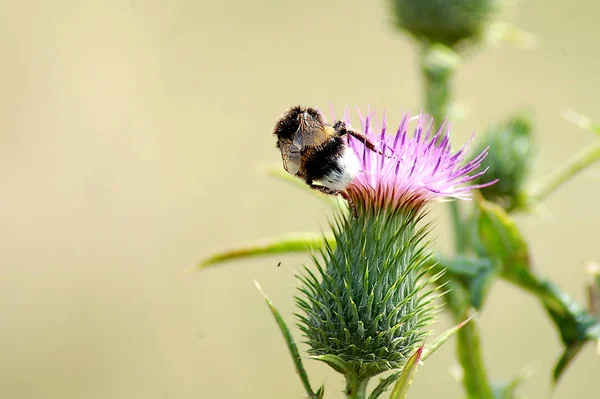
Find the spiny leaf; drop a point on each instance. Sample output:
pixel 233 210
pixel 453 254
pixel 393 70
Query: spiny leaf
pixel 337 363
pixel 439 341
pixel 479 287
pixel 568 355
pixel 289 340
pixel 291 243
pixel 320 393
pixel 384 383
pixel 575 325
pixel 463 265
pixel 476 274
pixel 408 373
pixel 501 237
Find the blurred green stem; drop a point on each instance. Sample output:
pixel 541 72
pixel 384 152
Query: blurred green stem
pixel 468 344
pixel 459 231
pixel 438 69
pixel 437 89
pixel 576 164
pixel 356 388
pixel 437 73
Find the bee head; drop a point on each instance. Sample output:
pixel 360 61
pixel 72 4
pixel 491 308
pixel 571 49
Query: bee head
pixel 287 126
pixel 295 118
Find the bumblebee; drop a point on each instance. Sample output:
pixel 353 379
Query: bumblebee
pixel 318 152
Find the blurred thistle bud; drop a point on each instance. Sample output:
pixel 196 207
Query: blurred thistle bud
pixel 365 310
pixel 511 146
pixel 444 21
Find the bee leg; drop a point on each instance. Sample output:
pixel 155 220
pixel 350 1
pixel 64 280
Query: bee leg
pixel 343 194
pixel 342 129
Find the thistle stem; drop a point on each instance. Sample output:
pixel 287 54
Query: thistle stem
pixel 437 76
pixel 459 232
pixel 437 91
pixel 356 388
pixel 468 344
pixel 575 165
pixel 437 85
pixel 475 379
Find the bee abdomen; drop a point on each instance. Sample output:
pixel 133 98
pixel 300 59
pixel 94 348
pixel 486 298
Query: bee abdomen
pixel 334 165
pixel 342 176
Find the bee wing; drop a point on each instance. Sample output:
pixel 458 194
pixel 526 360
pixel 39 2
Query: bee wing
pixel 312 135
pixel 290 155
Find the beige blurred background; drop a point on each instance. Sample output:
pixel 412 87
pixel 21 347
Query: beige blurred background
pixel 131 137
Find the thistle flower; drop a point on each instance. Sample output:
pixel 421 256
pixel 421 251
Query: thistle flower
pixel 420 168
pixel 366 308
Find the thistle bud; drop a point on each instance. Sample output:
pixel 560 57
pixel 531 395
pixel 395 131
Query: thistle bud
pixel 443 21
pixel 511 157
pixel 366 308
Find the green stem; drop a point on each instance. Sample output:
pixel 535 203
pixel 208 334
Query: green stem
pixel 459 231
pixel 468 344
pixel 437 75
pixel 356 388
pixel 576 164
pixel 475 379
pixel 436 79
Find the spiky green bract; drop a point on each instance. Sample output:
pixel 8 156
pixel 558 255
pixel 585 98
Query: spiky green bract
pixel 444 21
pixel 510 160
pixel 365 308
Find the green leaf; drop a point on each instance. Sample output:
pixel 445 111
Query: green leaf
pixel 408 373
pixel 568 355
pixel 581 121
pixel 464 265
pixel 476 274
pixel 384 383
pixel 501 238
pixel 508 389
pixel 439 341
pixel 293 349
pixel 320 393
pixel 575 325
pixel 337 363
pixel 291 243
pixel 284 176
